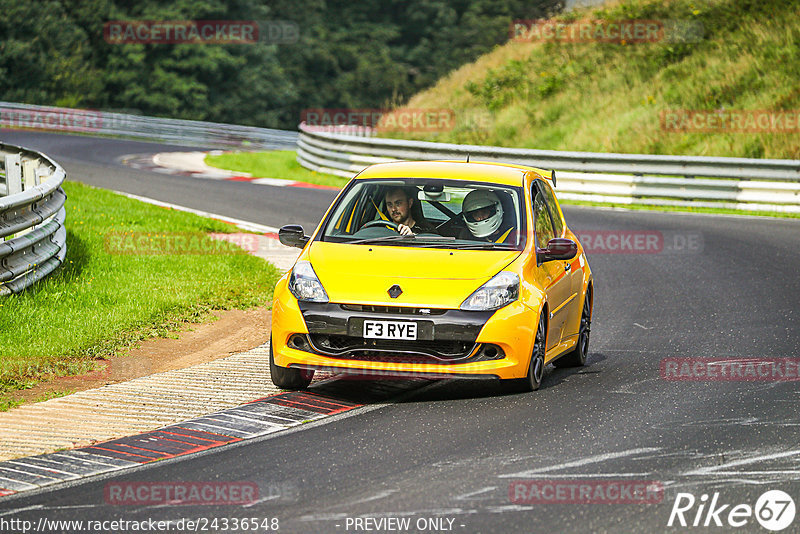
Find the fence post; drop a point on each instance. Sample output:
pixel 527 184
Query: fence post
pixel 13 174
pixel 29 175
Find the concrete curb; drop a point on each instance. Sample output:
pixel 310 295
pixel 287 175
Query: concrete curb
pixel 328 398
pixel 246 421
pixel 193 164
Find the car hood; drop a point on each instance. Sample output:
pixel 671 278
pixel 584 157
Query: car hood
pixel 434 278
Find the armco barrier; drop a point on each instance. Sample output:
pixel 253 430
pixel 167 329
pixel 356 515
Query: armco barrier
pixel 32 234
pixel 732 183
pixel 176 131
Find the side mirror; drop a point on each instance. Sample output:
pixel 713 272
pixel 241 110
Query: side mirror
pixel 557 249
pixel 293 235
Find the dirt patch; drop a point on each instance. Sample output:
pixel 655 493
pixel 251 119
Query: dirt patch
pixel 232 331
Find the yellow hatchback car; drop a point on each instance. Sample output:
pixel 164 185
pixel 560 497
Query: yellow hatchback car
pixel 435 269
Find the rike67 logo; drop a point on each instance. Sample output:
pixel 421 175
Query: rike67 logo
pixel 774 510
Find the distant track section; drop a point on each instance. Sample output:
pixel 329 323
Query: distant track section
pixel 177 131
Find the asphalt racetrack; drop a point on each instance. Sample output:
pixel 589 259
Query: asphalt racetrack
pixel 445 456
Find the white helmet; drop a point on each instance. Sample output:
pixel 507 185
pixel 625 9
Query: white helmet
pixel 478 200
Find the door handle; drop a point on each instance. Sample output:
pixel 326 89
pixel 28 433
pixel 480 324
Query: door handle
pixel 567 267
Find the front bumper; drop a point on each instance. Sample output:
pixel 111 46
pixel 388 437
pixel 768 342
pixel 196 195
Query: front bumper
pixel 450 342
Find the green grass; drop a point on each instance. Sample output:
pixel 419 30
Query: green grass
pixel 609 97
pixel 277 164
pixel 8 403
pixel 101 301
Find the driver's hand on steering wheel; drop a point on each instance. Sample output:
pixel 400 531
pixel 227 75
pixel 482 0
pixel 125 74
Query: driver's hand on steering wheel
pixel 404 230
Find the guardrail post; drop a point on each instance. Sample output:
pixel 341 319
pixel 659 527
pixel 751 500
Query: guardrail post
pixel 29 175
pixel 13 174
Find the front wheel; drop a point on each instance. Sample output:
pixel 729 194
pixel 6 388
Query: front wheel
pixel 536 365
pixel 577 356
pixel 288 378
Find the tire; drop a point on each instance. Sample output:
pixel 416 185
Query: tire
pixel 577 356
pixel 286 378
pixel 536 365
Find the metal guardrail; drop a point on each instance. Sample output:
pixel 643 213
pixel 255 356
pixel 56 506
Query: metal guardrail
pixel 732 183
pixel 32 234
pixel 180 132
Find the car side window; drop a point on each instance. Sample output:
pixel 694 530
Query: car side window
pixel 550 200
pixel 543 223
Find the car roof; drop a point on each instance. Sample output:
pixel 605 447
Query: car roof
pixel 477 171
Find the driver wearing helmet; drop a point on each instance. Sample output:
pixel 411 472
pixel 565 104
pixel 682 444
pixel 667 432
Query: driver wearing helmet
pixel 483 213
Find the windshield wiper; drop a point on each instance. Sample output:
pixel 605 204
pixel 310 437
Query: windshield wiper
pixel 394 238
pixel 485 246
pixel 398 237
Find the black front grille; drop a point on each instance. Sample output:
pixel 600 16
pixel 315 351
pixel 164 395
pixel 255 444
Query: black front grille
pixel 401 310
pixel 444 325
pixel 387 357
pixel 377 350
pixel 342 346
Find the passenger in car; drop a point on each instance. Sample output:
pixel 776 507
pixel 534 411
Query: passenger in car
pixel 483 214
pixel 399 207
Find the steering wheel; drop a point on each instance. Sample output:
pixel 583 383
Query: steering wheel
pixel 390 224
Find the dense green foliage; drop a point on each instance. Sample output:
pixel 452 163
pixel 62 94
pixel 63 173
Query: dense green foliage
pixel 612 97
pixel 350 53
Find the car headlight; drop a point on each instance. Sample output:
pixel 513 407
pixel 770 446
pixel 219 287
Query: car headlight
pixel 304 284
pixel 502 289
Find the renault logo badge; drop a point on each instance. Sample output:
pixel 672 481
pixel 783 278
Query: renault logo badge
pixel 395 291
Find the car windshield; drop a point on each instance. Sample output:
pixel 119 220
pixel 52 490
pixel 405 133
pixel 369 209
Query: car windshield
pixel 439 214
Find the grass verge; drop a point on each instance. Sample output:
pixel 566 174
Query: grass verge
pixel 276 164
pixel 102 301
pixel 613 97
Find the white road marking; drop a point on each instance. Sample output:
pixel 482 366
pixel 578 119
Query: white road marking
pixel 770 472
pixel 272 181
pixel 244 225
pixel 377 496
pixel 20 510
pixel 717 469
pixel 625 388
pixel 468 496
pixel 40 468
pixel 263 499
pixel 595 475
pixel 583 461
pixel 508 508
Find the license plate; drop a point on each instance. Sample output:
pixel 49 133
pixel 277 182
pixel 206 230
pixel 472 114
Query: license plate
pixel 390 330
